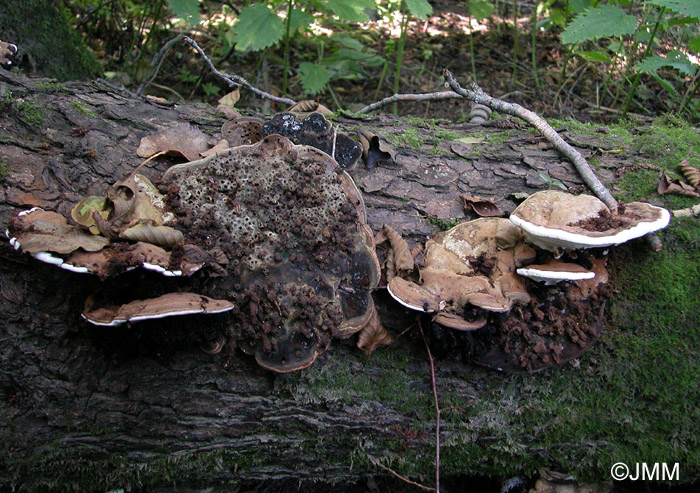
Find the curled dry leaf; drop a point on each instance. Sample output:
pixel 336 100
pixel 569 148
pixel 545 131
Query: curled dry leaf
pixel 373 335
pixel 309 106
pixel 83 212
pixel 669 185
pixel 374 150
pixel 156 235
pixel 399 257
pixel 45 231
pixel 691 173
pixel 182 139
pixel 231 98
pixel 481 207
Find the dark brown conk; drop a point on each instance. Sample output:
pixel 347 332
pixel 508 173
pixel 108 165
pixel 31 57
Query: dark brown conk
pixel 315 131
pixel 292 226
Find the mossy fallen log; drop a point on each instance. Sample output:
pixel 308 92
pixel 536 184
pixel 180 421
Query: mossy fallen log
pixel 96 408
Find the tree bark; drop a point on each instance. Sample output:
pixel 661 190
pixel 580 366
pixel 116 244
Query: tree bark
pixel 100 408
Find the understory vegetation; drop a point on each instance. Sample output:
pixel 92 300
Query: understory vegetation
pixel 592 59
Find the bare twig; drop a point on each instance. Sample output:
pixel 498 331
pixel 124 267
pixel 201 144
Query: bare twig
pixel 438 411
pixel 579 162
pixel 158 61
pixel 235 80
pixel 406 480
pixel 432 96
pixel 693 211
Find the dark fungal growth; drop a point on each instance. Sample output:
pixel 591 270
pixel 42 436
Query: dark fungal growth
pixel 300 258
pixel 315 131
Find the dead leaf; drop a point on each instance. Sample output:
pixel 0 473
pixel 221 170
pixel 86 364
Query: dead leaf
pixel 156 235
pixel 399 259
pixel 669 185
pixel 374 150
pixel 83 211
pixel 691 173
pixel 481 207
pixel 231 98
pixel 308 106
pixel 373 335
pixel 182 139
pixel 46 231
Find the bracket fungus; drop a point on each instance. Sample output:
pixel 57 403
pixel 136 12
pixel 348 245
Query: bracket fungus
pixel 314 130
pixel 276 232
pixel 471 266
pixel 558 221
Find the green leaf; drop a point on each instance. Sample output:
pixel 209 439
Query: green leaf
pixel 187 10
pixel 690 8
pixel 558 17
pixel 599 22
pixel 594 56
pixel 419 8
pixel 579 6
pixel 348 42
pixel 257 28
pixel 675 59
pixel 694 44
pixel 313 76
pixel 299 20
pixel 665 84
pixel 480 9
pixel 351 10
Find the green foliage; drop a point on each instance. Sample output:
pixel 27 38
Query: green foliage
pixel 187 10
pixel 599 22
pixel 480 9
pixel 690 8
pixel 257 28
pixel 351 10
pixel 313 76
pixel 419 8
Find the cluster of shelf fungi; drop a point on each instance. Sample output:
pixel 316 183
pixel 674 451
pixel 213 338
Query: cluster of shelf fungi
pixel 268 238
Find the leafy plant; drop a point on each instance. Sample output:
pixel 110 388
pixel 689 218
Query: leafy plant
pixel 632 40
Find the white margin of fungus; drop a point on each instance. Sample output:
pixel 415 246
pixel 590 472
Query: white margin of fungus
pixel 552 237
pixel 551 277
pixel 411 307
pixel 139 318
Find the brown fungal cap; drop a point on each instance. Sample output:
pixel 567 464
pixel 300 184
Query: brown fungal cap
pixel 167 305
pixel 465 267
pixel 292 225
pixel 555 220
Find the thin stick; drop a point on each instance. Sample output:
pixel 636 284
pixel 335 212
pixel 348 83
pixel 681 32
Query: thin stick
pixel 579 162
pixel 235 80
pixel 432 96
pixel 438 411
pixel 389 470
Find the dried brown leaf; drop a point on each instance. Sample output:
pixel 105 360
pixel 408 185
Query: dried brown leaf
pixel 669 185
pixel 403 260
pixel 373 335
pixel 481 207
pixel 46 231
pixel 182 139
pixel 231 98
pixel 308 106
pixel 691 173
pixel 156 235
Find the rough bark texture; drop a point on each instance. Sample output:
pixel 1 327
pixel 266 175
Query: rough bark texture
pixel 104 408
